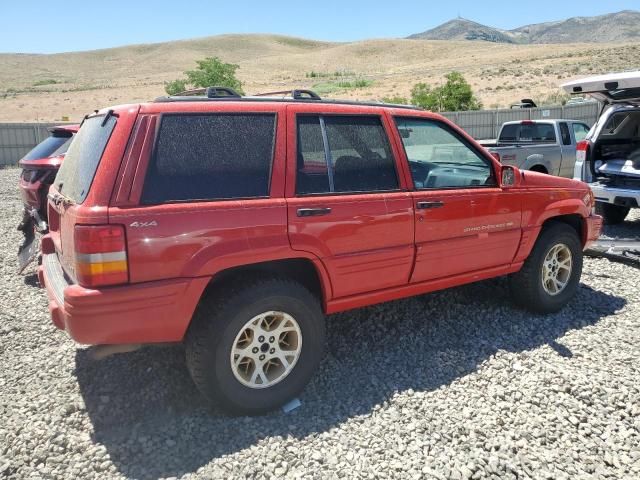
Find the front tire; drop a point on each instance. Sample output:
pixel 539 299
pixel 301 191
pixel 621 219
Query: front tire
pixel 611 214
pixel 549 277
pixel 253 347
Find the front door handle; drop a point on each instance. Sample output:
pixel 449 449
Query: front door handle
pixel 427 205
pixel 313 212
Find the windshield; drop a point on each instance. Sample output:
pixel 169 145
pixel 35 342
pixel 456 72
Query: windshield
pixel 51 147
pixel 79 167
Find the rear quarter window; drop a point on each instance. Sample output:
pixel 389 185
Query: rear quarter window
pixel 76 174
pixel 210 157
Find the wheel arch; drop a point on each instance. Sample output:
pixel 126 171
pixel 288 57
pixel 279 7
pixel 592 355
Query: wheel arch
pixel 536 162
pixel 574 220
pixel 538 167
pixel 307 271
pixel 569 212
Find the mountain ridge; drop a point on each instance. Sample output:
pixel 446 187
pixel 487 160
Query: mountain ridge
pixel 620 26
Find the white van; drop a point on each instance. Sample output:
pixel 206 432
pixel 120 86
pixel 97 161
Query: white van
pixel 608 159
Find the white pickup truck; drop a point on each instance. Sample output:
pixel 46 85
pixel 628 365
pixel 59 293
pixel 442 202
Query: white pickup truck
pixel 547 146
pixel 609 157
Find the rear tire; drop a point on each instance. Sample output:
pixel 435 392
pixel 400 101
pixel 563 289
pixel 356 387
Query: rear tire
pixel 544 285
pixel 248 318
pixel 612 214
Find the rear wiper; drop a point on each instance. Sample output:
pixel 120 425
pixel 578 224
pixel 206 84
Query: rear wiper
pixel 107 117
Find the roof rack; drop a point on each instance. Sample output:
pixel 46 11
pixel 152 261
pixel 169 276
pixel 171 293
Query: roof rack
pixel 297 94
pixel 209 92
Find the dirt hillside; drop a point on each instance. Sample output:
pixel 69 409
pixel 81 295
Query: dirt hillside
pixel 51 87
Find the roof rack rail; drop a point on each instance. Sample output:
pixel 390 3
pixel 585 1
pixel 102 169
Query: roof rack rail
pixel 209 92
pixel 297 94
pixel 221 92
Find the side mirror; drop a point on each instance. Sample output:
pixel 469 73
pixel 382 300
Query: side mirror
pixel 509 176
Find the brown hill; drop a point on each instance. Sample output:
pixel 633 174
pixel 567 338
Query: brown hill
pixel 50 87
pixel 621 26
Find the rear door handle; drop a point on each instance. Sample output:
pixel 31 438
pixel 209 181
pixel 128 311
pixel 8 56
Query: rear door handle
pixel 427 205
pixel 313 212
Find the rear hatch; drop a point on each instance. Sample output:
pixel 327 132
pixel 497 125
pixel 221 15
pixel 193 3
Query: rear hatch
pixel 613 154
pixel 80 193
pixel 615 150
pixel 48 153
pixel 611 88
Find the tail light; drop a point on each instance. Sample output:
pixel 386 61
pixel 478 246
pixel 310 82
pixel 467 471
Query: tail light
pixel 100 255
pixel 582 150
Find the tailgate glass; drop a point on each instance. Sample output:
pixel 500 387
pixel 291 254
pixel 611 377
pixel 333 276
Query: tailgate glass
pixel 51 147
pixel 528 133
pixel 79 167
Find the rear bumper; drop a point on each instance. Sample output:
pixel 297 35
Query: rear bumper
pixel 594 229
pixel 152 312
pixel 625 197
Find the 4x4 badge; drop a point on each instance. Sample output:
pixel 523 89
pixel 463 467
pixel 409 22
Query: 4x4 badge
pixel 152 223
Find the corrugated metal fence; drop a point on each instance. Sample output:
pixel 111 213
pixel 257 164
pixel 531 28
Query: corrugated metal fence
pixel 16 139
pixel 485 124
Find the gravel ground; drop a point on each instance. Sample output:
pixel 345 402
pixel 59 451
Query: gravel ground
pixel 456 384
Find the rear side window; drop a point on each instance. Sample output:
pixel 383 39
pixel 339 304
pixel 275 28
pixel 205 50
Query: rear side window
pixel 564 131
pixel 343 154
pixel 210 157
pixel 51 147
pixel 81 161
pixel 528 133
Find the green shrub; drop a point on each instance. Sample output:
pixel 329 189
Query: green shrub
pixel 210 72
pixel 454 95
pixel 396 100
pixel 174 87
pixel 46 81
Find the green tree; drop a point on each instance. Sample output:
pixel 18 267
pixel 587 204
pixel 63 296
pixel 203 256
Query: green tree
pixel 210 72
pixel 422 95
pixel 176 86
pixel 454 95
pixel 457 94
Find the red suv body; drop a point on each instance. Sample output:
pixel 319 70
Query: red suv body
pixel 39 168
pixel 40 165
pixel 234 224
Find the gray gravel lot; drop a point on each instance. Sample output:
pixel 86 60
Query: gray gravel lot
pixel 456 384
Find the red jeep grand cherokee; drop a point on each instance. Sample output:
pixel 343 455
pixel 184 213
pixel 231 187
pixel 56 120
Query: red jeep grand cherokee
pixel 233 224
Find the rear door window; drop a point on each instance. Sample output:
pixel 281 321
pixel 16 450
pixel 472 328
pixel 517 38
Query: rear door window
pixel 76 174
pixel 201 157
pixel 342 154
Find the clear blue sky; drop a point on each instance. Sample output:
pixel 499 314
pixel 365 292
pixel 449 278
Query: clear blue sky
pixel 46 27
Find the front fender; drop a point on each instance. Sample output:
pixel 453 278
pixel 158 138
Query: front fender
pixel 533 221
pixel 569 206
